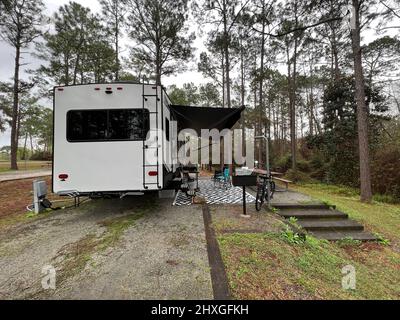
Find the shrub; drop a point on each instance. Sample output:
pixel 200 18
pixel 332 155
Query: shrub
pixel 385 198
pixel 292 237
pixel 41 155
pixel 385 172
pixel 305 150
pixel 297 176
pixel 283 163
pixel 304 166
pixel 321 174
pixel 317 161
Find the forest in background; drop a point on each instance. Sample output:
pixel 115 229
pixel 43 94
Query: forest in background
pixel 319 78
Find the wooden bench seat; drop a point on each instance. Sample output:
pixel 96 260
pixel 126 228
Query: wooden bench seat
pixel 286 182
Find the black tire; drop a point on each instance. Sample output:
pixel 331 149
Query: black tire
pixel 260 197
pixel 272 187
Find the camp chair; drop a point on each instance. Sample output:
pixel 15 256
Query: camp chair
pixel 223 179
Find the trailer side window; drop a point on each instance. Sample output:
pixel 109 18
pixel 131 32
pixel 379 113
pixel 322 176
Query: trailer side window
pixel 86 125
pixel 132 124
pixel 167 129
pixel 107 125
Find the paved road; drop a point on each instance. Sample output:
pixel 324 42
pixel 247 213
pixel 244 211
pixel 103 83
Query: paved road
pixel 17 175
pixel 135 248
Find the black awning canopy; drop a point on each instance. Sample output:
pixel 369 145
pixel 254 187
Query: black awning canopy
pixel 198 118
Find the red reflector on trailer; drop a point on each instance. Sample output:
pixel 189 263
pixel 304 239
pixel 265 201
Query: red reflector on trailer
pixel 60 89
pixel 153 173
pixel 108 88
pixel 97 89
pixel 120 88
pixel 63 176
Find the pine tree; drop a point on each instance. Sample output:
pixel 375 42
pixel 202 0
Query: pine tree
pixel 77 51
pixel 114 12
pixel 163 42
pixel 20 22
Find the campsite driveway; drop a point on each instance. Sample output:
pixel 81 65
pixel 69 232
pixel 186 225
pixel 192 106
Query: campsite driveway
pixel 134 248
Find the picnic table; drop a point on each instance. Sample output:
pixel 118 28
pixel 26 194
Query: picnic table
pixel 264 172
pixel 275 175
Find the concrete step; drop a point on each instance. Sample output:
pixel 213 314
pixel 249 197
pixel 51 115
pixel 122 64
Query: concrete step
pixel 340 235
pixel 330 225
pixel 313 214
pixel 284 206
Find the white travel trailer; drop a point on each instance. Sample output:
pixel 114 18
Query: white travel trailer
pixel 118 138
pixel 100 143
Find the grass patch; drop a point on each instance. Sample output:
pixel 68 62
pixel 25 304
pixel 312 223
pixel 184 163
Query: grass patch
pixel 28 216
pixel 24 166
pixel 267 266
pixel 115 229
pixel 74 257
pixel 286 265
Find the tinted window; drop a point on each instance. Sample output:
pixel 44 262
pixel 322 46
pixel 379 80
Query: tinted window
pixel 128 124
pixel 86 125
pixel 107 125
pixel 167 129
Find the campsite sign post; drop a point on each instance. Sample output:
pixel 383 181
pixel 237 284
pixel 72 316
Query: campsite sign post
pixel 243 181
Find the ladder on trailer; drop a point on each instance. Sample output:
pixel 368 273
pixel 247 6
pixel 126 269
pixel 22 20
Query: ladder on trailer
pixel 146 146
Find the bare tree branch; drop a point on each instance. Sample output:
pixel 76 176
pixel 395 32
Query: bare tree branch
pixel 390 9
pixel 299 28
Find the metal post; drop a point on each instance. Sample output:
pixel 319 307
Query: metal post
pixel 268 171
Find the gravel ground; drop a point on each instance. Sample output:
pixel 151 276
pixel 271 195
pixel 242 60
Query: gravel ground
pixel 291 197
pixel 135 248
pixel 286 197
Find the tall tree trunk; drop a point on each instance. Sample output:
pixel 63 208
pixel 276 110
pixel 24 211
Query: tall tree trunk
pixel 311 102
pixel 15 113
pixel 336 62
pixel 334 48
pixel 25 142
pixel 221 151
pixel 116 42
pixel 66 70
pixel 261 101
pixel 158 65
pixel 226 53
pixel 223 78
pixel 31 142
pixel 116 57
pixel 292 110
pixel 310 115
pixel 76 71
pixel 362 121
pixel 293 143
pixel 242 96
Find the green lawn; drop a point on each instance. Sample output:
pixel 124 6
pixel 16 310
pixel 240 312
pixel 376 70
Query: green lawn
pixel 277 265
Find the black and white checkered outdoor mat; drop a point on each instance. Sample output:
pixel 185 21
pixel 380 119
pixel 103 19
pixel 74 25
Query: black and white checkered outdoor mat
pixel 214 195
